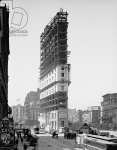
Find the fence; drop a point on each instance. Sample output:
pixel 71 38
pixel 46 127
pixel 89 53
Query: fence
pixel 95 142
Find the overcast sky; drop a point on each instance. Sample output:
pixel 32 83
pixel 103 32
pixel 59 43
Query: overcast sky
pixel 92 40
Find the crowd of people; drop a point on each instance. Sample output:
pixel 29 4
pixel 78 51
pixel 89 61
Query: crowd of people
pixel 26 138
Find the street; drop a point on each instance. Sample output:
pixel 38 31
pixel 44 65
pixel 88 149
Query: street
pixel 46 142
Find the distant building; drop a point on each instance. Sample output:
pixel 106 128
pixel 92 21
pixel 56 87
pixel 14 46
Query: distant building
pixel 86 117
pixel 31 106
pixel 4 52
pixel 73 115
pixel 92 116
pixel 75 118
pixel 109 111
pixel 95 115
pixel 80 116
pixel 18 113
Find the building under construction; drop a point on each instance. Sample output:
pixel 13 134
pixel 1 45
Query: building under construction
pixel 54 73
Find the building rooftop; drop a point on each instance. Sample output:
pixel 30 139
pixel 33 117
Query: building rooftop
pixel 60 16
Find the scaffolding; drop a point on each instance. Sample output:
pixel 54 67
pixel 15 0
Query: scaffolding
pixel 54 43
pixel 54 54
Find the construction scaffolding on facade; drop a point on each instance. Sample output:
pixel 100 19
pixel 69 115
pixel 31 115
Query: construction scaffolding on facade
pixel 54 43
pixel 53 64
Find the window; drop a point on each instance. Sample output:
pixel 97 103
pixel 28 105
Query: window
pixel 62 74
pixel 62 68
pixel 62 123
pixel 62 88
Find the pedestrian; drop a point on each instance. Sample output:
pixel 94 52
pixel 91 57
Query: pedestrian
pixel 75 138
pixel 16 141
pixel 25 146
pixel 21 138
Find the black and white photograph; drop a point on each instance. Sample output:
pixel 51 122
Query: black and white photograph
pixel 58 75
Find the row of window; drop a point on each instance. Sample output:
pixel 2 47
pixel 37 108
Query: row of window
pixel 48 92
pixel 52 90
pixel 51 77
pixel 54 102
pixel 109 102
pixel 50 80
pixel 54 96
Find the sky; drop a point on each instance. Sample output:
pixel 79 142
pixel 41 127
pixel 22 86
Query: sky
pixel 92 40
